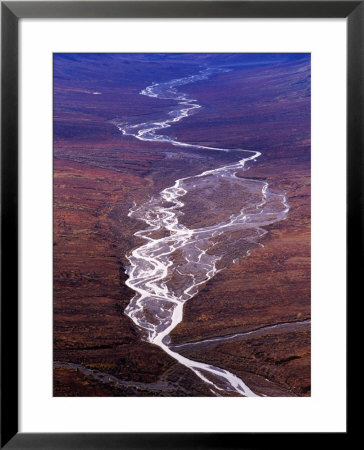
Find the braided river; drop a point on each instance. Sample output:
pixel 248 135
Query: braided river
pixel 176 260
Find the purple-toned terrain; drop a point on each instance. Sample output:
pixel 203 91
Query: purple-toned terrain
pixel 182 224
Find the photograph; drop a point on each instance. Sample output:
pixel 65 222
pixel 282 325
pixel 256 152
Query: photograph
pixel 181 224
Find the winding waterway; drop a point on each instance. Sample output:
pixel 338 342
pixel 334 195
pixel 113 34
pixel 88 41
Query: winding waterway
pixel 167 271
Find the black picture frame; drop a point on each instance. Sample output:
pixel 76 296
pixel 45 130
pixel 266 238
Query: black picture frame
pixel 11 12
